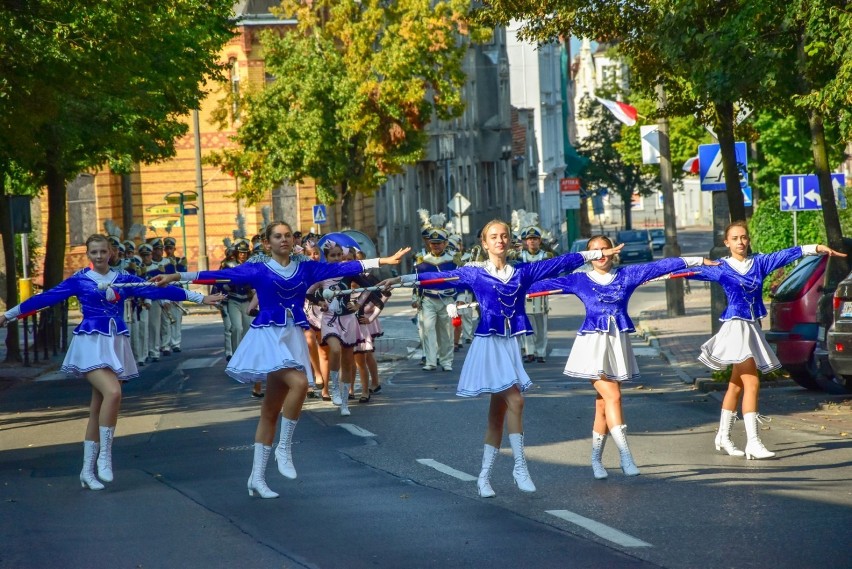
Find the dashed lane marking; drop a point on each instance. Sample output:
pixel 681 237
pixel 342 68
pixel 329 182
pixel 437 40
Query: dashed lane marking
pixel 356 430
pixel 198 363
pixel 599 529
pixel 463 476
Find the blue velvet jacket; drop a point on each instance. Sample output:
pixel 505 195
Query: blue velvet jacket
pixel 99 314
pixel 609 301
pixel 745 291
pixel 501 303
pixel 281 289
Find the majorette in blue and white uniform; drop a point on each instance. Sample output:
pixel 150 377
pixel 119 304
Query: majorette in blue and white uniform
pixel 276 339
pixel 102 339
pixel 740 336
pixel 493 363
pixel 602 346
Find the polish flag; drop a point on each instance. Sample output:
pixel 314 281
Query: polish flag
pixel 622 111
pixel 691 166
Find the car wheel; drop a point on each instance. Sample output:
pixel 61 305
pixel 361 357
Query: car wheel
pixel 835 384
pixel 805 375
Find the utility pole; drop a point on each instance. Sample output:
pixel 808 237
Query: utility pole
pixel 674 287
pixel 199 189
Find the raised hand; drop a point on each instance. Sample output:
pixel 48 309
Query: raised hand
pixel 396 257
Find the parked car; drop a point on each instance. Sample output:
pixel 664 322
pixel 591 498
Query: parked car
pixel 579 245
pixel 658 239
pixel 794 330
pixel 637 246
pixel 836 377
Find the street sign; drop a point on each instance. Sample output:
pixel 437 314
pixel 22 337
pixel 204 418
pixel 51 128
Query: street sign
pixel 180 197
pixel 190 211
pixel 163 210
pixel 458 204
pixel 710 170
pixel 800 192
pixel 649 135
pixel 320 215
pixel 569 191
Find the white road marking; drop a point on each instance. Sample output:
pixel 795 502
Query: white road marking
pixel 52 376
pixel 599 529
pixel 647 352
pixel 559 353
pixel 463 476
pixel 356 430
pixel 198 363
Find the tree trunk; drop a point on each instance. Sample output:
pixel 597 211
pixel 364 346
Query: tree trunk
pixel 347 206
pixel 839 266
pixel 13 344
pixel 725 132
pixel 674 287
pixel 57 215
pixel 627 204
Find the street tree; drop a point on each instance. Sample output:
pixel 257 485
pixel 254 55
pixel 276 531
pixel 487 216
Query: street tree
pixel 89 84
pixel 353 88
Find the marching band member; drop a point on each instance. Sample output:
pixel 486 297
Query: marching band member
pixel 100 349
pixel 535 345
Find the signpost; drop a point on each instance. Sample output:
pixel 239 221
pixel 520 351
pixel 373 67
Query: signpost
pixel 800 192
pixel 459 205
pixel 711 172
pixel 181 199
pixel 569 191
pixel 320 214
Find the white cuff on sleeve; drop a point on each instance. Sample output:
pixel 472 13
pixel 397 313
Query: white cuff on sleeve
pixel 808 250
pixel 370 264
pixel 693 261
pixel 194 296
pixel 408 280
pixel 591 255
pixel 189 276
pixel 13 312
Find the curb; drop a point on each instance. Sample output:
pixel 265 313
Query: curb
pixel 654 342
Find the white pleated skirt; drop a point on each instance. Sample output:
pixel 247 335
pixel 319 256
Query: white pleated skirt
pixel 737 341
pixel 493 364
pixel 608 354
pixel 267 349
pixel 88 352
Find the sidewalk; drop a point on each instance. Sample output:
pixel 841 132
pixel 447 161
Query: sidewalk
pixel 679 340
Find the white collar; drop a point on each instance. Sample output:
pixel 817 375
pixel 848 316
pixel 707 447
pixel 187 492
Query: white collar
pixel 741 267
pixel 503 274
pixel 280 269
pixel 601 278
pixel 99 278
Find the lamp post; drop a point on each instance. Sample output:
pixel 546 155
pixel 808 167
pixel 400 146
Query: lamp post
pixel 199 190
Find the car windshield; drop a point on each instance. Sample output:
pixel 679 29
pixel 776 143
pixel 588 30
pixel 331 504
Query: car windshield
pixel 579 245
pixel 658 233
pixel 791 287
pixel 632 236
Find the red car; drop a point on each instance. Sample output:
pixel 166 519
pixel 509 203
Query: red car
pixel 794 329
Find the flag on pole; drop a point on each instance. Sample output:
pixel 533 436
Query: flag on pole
pixel 691 166
pixel 622 111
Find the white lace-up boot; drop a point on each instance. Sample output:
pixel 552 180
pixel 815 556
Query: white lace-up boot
pixel 257 479
pixel 105 454
pixel 723 436
pixel 520 473
pixel 87 475
pixel 344 399
pixel 334 387
pixel 483 483
pixel 754 446
pixel 284 450
pixel 598 442
pixel 619 436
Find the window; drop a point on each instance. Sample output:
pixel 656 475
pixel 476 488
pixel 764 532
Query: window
pixel 82 209
pixel 234 78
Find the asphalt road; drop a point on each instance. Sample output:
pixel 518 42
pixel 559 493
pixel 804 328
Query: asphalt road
pixel 391 485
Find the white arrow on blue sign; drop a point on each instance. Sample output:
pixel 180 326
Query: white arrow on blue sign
pixel 712 175
pixel 800 192
pixel 320 216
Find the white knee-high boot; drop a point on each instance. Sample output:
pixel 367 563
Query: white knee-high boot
pixel 257 479
pixel 344 399
pixel 520 473
pixel 87 475
pixel 483 483
pixel 598 442
pixel 105 454
pixel 334 386
pixel 620 437
pixel 284 450
pixel 754 446
pixel 723 436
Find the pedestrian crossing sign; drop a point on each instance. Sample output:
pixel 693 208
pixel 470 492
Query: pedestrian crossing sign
pixel 320 216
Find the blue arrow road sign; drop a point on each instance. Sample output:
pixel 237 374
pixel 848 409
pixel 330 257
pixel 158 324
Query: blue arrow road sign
pixel 320 216
pixel 800 192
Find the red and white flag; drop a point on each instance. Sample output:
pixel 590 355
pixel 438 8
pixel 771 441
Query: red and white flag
pixel 691 166
pixel 622 111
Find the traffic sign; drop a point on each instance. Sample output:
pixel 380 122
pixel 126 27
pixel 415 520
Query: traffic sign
pixel 458 204
pixel 800 192
pixel 180 197
pixel 190 211
pixel 163 210
pixel 320 215
pixel 710 170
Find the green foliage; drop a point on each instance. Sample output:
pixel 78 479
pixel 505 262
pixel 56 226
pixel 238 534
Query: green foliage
pixel 354 87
